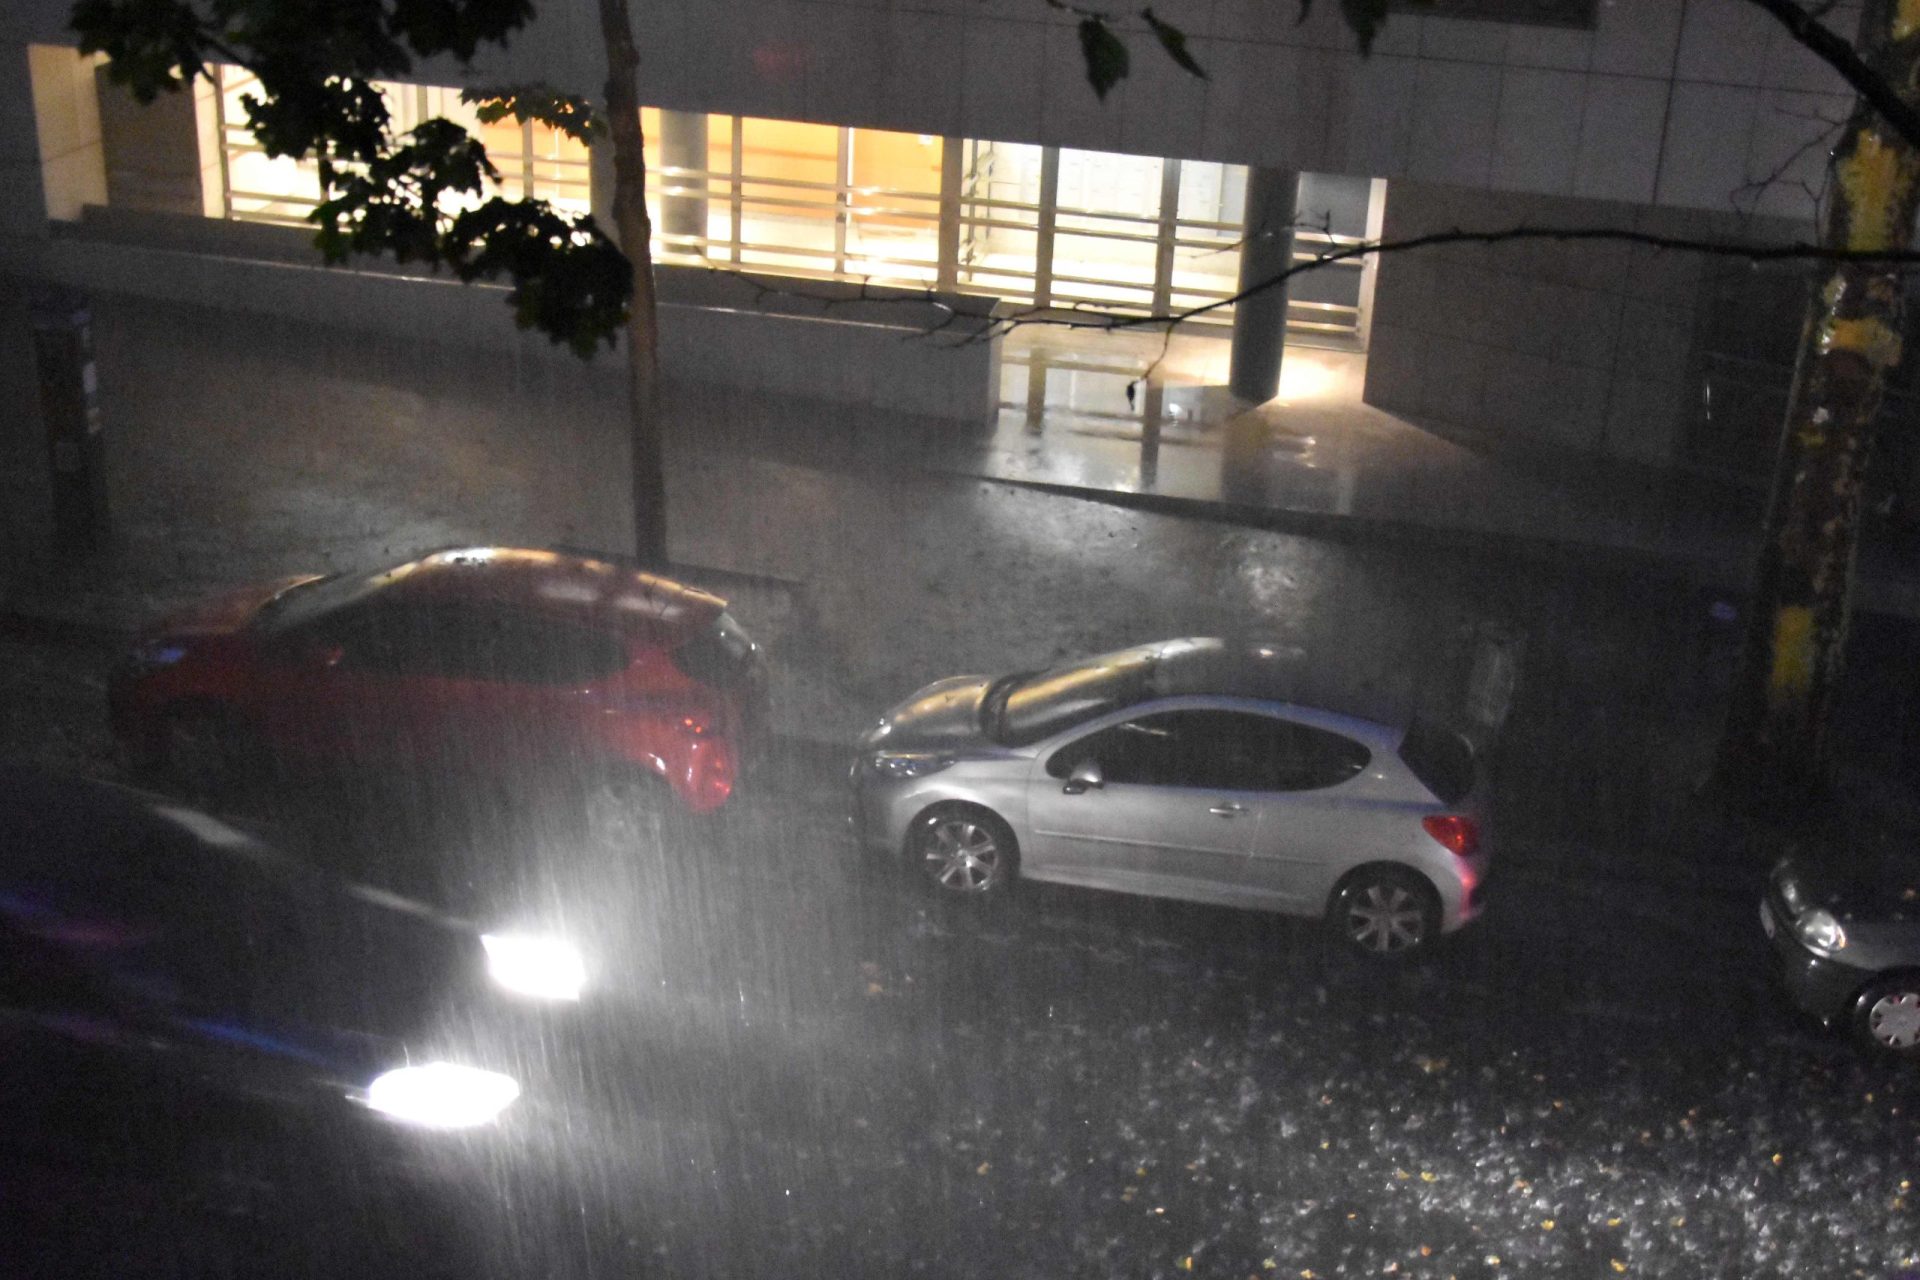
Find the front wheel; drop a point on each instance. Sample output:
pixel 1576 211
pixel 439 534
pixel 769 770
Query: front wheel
pixel 1886 1017
pixel 965 852
pixel 1384 913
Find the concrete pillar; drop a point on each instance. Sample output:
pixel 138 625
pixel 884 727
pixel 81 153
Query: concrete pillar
pixel 1260 322
pixel 152 150
pixel 683 145
pixel 600 187
pixel 50 155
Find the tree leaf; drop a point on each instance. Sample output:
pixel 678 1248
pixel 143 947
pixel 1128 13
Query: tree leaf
pixel 1364 18
pixel 1106 56
pixel 1174 41
pixel 566 112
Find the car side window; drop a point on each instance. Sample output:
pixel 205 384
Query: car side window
pixel 1137 752
pixel 530 650
pixel 1215 750
pixel 1307 759
pixel 378 639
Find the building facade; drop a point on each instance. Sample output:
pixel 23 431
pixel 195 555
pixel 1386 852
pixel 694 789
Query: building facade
pixel 956 144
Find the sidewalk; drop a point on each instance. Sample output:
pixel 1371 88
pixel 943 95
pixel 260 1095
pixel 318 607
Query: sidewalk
pixel 1319 461
pixel 1316 461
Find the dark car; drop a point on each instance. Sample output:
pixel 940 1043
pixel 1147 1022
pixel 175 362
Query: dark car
pixel 1847 937
pixel 141 939
pixel 492 660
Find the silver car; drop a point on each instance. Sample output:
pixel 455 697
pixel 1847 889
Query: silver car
pixel 1196 769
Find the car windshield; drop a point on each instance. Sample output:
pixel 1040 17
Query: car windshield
pixel 305 601
pixel 1023 709
pixel 720 656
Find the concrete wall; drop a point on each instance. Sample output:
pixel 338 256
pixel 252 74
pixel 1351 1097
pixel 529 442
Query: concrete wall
pixel 1587 346
pixel 66 117
pixel 715 329
pixel 1676 102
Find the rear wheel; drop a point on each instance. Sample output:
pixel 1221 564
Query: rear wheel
pixel 624 812
pixel 1886 1017
pixel 1384 913
pixel 964 851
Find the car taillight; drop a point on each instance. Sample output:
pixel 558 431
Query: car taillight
pixel 1456 831
pixel 711 772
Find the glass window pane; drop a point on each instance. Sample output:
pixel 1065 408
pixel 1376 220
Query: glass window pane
pixel 894 215
pixel 1105 182
pixel 788 194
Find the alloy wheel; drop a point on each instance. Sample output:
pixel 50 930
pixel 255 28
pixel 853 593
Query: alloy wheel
pixel 1384 918
pixel 1894 1020
pixel 962 855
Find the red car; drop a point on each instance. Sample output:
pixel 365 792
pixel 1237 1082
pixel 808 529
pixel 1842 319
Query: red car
pixel 486 659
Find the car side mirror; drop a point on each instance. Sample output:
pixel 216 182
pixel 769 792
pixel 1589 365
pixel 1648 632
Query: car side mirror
pixel 1086 776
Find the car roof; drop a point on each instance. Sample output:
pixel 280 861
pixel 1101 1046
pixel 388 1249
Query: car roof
pixel 602 590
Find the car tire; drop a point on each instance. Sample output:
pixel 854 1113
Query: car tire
pixel 1384 913
pixel 623 812
pixel 1886 1015
pixel 964 852
pixel 202 750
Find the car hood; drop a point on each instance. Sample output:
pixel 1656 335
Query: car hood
pixel 1864 887
pixel 944 714
pixel 227 612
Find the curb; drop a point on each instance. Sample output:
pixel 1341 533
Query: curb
pixel 1349 529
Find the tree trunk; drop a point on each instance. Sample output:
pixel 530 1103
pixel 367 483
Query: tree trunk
pixel 1774 749
pixel 635 234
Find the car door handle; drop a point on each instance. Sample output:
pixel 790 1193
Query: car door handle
pixel 1227 810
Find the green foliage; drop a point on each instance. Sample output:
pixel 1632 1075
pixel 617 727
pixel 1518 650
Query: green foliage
pixel 1105 53
pixel 1174 41
pixel 416 197
pixel 1364 18
pixel 155 48
pixel 569 281
pixel 539 103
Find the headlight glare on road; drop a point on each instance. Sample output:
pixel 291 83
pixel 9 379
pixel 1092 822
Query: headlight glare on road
pixel 528 965
pixel 1820 931
pixel 158 654
pixel 442 1095
pixel 907 764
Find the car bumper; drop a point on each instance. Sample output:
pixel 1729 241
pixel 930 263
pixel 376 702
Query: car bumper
pixel 1817 984
pixel 866 816
pixel 1473 899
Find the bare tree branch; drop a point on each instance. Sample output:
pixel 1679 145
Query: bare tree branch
pixel 1752 191
pixel 1838 52
pixel 1081 316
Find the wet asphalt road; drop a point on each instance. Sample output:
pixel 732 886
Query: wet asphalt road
pixel 799 1062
